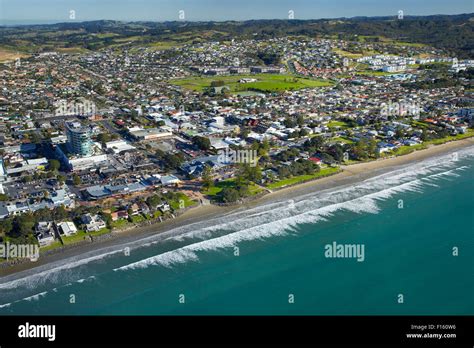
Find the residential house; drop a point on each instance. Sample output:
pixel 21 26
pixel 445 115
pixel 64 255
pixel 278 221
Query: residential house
pixel 92 222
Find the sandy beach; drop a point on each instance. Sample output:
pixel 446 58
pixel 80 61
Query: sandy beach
pixel 350 174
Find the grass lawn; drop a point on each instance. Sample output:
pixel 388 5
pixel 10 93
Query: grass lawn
pixel 386 40
pixel 119 223
pixel 10 54
pixel 347 54
pixel 373 73
pixel 138 218
pixel 342 140
pixel 302 178
pixel 163 45
pixel 403 150
pixel 469 133
pixel 216 189
pixel 419 124
pixel 72 50
pixel 54 245
pixel 265 83
pixel 175 204
pixel 105 35
pixel 81 235
pixel 338 125
pixel 351 55
pixel 409 44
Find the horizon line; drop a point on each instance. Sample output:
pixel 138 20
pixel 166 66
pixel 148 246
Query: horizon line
pixel 26 22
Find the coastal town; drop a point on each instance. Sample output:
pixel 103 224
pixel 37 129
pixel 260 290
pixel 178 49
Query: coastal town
pixel 97 142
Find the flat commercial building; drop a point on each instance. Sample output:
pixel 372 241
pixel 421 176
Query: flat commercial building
pixel 80 163
pixel 150 134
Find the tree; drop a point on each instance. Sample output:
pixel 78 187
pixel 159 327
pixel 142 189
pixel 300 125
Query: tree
pixel 251 173
pixel 218 83
pixel 160 154
pixel 76 180
pixel 289 122
pixel 60 213
pixel 300 120
pixel 244 132
pixel 173 161
pixel 54 165
pixel 154 201
pixel 230 195
pixel 208 182
pixel 35 138
pixel 26 178
pixel 22 226
pixel 6 226
pixel 372 148
pixel 337 152
pixel 399 133
pixel 364 149
pixel 61 179
pixel 202 143
pixel 108 220
pixel 103 138
pixel 283 172
pixel 269 58
pixel 315 144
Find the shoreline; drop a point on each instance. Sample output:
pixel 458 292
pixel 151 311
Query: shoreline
pixel 351 174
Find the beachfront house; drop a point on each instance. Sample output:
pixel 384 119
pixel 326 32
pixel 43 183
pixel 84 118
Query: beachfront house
pixel 66 228
pixel 92 222
pixel 44 233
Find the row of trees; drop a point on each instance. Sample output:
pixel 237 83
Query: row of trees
pixel 246 176
pixel 19 229
pixel 300 167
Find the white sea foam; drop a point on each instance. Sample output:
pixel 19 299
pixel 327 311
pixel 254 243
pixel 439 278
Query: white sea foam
pixel 80 281
pixel 272 227
pixel 35 297
pixel 53 274
pixel 273 219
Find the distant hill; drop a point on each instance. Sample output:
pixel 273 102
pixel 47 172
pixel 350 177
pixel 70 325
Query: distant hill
pixel 453 33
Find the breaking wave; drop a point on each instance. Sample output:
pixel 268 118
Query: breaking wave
pixel 278 218
pixel 312 208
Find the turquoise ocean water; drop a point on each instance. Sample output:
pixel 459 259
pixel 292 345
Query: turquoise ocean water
pixel 271 259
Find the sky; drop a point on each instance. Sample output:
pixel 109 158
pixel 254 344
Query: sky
pixel 38 11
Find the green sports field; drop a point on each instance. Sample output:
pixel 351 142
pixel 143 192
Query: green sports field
pixel 264 83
